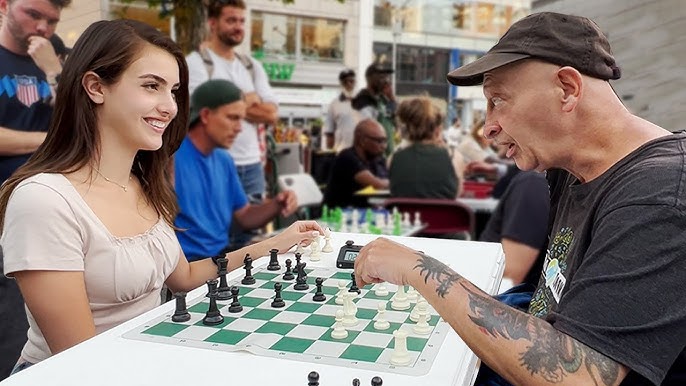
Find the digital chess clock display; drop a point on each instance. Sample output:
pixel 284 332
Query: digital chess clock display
pixel 347 255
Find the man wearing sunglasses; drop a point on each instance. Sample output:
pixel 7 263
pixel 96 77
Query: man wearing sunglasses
pixel 359 166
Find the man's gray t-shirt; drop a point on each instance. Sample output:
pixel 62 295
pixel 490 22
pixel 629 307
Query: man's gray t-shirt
pixel 614 277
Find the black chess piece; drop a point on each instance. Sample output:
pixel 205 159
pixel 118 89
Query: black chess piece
pixel 298 257
pixel 278 300
pixel 223 291
pixel 273 260
pixel 247 265
pixel 289 274
pixel 213 317
pixel 377 381
pixel 235 304
pixel 313 379
pixel 181 313
pixel 301 280
pixel 356 382
pixel 353 285
pixel 319 295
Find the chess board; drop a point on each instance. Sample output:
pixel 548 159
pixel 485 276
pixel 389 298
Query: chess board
pixel 301 331
pixel 366 223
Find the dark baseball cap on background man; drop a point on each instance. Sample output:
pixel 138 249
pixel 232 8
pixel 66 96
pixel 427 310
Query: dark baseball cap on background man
pixel 212 94
pixel 378 68
pixel 347 73
pixel 565 40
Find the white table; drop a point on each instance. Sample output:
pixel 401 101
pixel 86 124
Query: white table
pixel 109 359
pixel 480 204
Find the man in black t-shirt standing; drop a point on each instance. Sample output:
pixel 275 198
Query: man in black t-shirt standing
pixel 358 166
pixel 29 71
pixel 610 307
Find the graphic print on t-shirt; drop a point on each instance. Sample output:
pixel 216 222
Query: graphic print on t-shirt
pixel 26 88
pixel 552 280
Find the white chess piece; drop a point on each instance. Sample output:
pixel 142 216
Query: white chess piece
pixel 414 314
pixel 339 331
pixel 350 316
pixel 364 228
pixel 417 219
pixel 341 291
pixel 315 254
pixel 380 290
pixel 400 356
pixel 422 327
pixel 412 294
pixel 406 220
pixel 400 301
pixel 299 249
pixel 354 226
pixel 380 221
pixel 380 320
pixel 344 222
pixel 327 245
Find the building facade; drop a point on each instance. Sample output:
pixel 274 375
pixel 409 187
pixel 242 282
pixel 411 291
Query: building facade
pixel 647 39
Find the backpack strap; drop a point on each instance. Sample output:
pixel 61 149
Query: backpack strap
pixel 207 61
pixel 247 63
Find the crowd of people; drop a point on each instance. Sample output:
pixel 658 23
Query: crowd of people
pixel 126 168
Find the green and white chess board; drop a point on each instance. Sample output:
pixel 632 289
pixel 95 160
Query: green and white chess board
pixel 301 331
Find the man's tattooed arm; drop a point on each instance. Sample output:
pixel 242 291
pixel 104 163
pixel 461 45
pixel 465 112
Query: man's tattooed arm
pixel 549 354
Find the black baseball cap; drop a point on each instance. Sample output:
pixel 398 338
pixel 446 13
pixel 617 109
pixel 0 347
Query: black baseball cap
pixel 378 68
pixel 565 40
pixel 347 73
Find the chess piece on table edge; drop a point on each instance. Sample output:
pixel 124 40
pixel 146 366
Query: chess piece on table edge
pixel 313 378
pixel 181 313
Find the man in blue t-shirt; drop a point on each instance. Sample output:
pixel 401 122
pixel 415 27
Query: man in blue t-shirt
pixel 207 186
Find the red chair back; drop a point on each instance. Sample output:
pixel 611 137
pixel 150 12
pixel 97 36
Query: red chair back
pixel 475 189
pixel 441 216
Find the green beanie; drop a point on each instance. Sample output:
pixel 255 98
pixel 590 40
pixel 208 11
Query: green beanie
pixel 212 94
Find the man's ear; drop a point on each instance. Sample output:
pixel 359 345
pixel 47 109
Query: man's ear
pixel 571 83
pixel 204 115
pixel 92 83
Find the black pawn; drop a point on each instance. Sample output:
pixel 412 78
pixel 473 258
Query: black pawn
pixel 353 285
pixel 289 274
pixel 235 305
pixel 223 292
pixel 273 261
pixel 247 265
pixel 313 379
pixel 301 280
pixel 213 317
pixel 181 314
pixel 356 382
pixel 278 300
pixel 319 295
pixel 376 381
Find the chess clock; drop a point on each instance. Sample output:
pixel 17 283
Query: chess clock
pixel 347 255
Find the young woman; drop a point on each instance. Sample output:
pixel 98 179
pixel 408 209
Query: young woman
pixel 88 219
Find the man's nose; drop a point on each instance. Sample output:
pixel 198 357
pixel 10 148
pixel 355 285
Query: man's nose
pixel 491 130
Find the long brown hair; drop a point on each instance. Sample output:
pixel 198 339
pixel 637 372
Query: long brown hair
pixel 107 48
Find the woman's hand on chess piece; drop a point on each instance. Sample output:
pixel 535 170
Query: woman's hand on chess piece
pixel 384 260
pixel 298 232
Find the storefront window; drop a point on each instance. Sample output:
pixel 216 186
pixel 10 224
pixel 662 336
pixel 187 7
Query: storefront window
pixel 141 11
pixel 282 37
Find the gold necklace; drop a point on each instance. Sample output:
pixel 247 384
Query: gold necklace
pixel 124 187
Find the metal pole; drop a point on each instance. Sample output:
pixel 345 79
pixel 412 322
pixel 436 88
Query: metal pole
pixel 397 30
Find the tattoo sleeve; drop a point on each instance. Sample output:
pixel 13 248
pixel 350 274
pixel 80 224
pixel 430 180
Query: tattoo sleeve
pixel 549 353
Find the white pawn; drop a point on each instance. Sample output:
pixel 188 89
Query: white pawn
pixel 341 291
pixel 299 249
pixel 422 327
pixel 414 315
pixel 344 222
pixel 354 226
pixel 400 356
pixel 412 294
pixel 364 228
pixel 339 331
pixel 417 219
pixel 314 250
pixel 380 290
pixel 406 220
pixel 380 321
pixel 400 301
pixel 327 245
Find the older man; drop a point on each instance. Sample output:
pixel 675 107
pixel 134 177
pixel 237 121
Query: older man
pixel 610 306
pixel 359 166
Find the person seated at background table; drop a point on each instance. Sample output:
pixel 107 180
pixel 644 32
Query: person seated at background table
pixel 359 166
pixel 86 223
pixel 609 308
pixel 520 223
pixel 476 147
pixel 426 167
pixel 207 185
